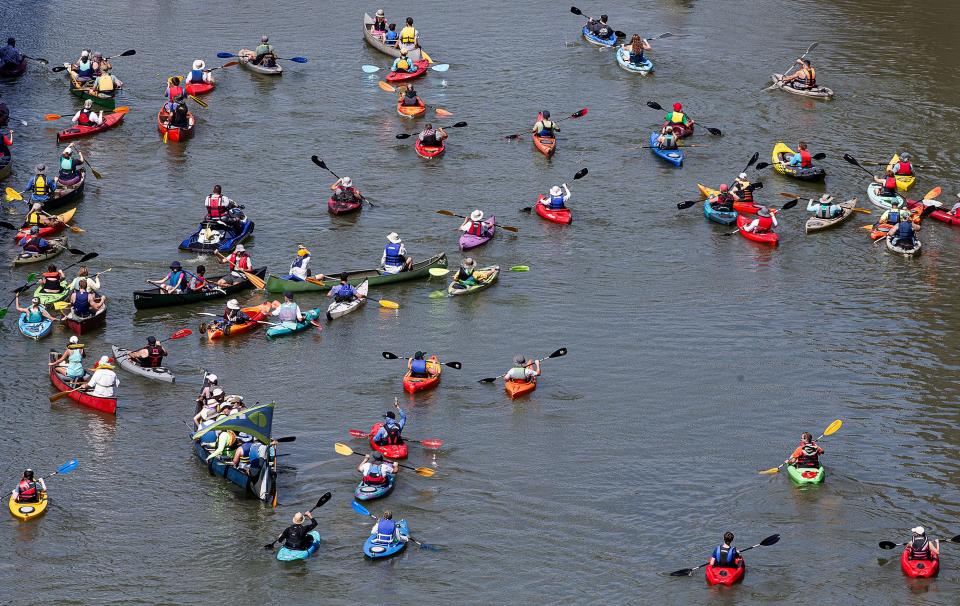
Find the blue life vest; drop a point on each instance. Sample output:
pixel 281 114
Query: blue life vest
pixel 391 36
pixel 418 367
pixel 893 216
pixel 300 261
pixel 725 557
pixel 85 70
pixel 195 75
pixel 81 305
pixel 556 202
pixel 344 292
pixel 385 531
pixel 904 230
pixel 175 277
pixel 392 252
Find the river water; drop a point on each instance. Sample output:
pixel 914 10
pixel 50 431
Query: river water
pixel 695 358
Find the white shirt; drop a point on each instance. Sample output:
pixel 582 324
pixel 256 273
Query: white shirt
pixel 753 224
pixel 93 284
pixel 103 382
pixel 94 117
pixel 302 272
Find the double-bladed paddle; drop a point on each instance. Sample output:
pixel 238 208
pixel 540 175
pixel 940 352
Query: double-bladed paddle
pixel 316 160
pixel 123 109
pixel 127 53
pixel 433 444
pixel 448 213
pixel 658 107
pixel 809 50
pixel 685 572
pixel 407 136
pixel 392 356
pixel 688 203
pixel 583 172
pixel 180 334
pixel 345 450
pixel 577 114
pixel 223 55
pixel 437 67
pixel 830 430
pixel 323 499
pixel 559 353
pixel 817 156
pixel 891 544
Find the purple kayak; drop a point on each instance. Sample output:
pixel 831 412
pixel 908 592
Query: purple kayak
pixel 468 241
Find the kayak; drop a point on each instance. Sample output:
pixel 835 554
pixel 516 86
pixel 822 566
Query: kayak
pixel 545 145
pixel 49 298
pixel 375 551
pixel 560 215
pixel 747 208
pixel 817 92
pixel 805 475
pixel 214 235
pixel 80 326
pixel 673 156
pixel 378 43
pixel 597 40
pixel 77 131
pixel 245 56
pixel 289 555
pixel 486 275
pixel 428 151
pixel 939 215
pixel 153 298
pixel 34 330
pixel 468 241
pixel 14 71
pixel 369 492
pixel 515 389
pixel 66 192
pixel 28 511
pixel 158 373
pixel 48 230
pixel 873 193
pixel 337 310
pixel 782 154
pixel 255 313
pixel 341 207
pixel 904 182
pixel 623 60
pixel 723 217
pixel 817 224
pixel 411 111
pixel 906 252
pixel 288 328
pixel 412 384
pixel 420 269
pixel 717 575
pixel 397 451
pixel 770 238
pixel 174 133
pixel 404 76
pixel 57 246
pixel 918 568
pixel 200 88
pixel 108 405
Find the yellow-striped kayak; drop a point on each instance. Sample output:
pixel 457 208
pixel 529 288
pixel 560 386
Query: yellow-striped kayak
pixel 904 182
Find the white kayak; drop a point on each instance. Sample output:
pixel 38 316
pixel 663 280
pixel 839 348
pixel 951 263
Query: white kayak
pixel 337 310
pixel 160 373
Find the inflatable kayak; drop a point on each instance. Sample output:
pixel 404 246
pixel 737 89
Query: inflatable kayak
pixel 746 208
pixel 939 215
pixel 873 193
pixel 48 230
pixel 673 156
pixel 770 238
pixel 34 330
pixel 717 575
pixel 918 568
pixel 906 252
pixel 545 145
pixel 157 373
pixel 468 241
pixel 289 555
pixel 28 511
pixel 390 451
pixel 376 551
pixel 486 276
pixel 429 151
pixel 57 246
pixel 337 310
pixel 200 88
pixel 817 92
pixel 723 217
pixel 559 215
pixel 782 154
pixel 77 131
pixel 404 76
pixel 817 224
pixel 412 384
pixel 245 56
pixel 369 492
pixel 623 60
pixel 808 475
pixel 904 182
pixel 288 328
pixel 411 111
pixel 597 40
pixel 515 389
pixel 215 330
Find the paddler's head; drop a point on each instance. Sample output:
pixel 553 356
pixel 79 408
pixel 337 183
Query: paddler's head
pixel 298 518
pixel 728 538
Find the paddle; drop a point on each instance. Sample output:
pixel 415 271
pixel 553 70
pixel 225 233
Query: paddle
pixel 316 160
pixel 786 206
pixel 448 213
pixel 891 544
pixel 440 271
pixel 8 225
pixel 854 161
pixel 83 259
pixel 255 280
pixel 688 203
pixel 829 431
pixel 439 110
pixel 223 55
pixel 578 12
pixel 16 292
pixel 392 356
pixel 123 109
pixel 63 469
pixel 559 353
pixel 794 65
pixel 363 511
pixel 180 334
pixel 127 53
pixel 38 60
pixel 432 444
pixel 577 114
pixel 95 172
pixel 583 172
pixel 323 499
pixel 457 125
pixel 658 107
pixel 437 67
pixel 345 450
pixel 224 66
pixel 771 540
pixel 878 163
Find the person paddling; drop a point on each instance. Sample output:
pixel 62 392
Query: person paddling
pixel 296 536
pixel 888 184
pixel 765 222
pixel 667 139
pixel 903 234
pixel 903 168
pixel 741 189
pixel 343 292
pixel 232 314
pixel 807 454
pixel 403 64
pixel 599 28
pixel 41 187
pixel 682 123
pixel 288 312
pixel 558 197
pixel 432 137
pixel 199 74
pixel 265 54
pixel 300 267
pixel 150 356
pixel 802 157
pixel 389 433
pixel 419 366
pixel 84 303
pixel 723 201
pixel 73 355
pixel 387 532
pixel 106 84
pixel 53 280
pixel 379 28
pixel 104 381
pixel 179 117
pixel 410 98
pixel 238 261
pixel 28 490
pixel 523 370
pixel 825 207
pixel 34 243
pixel 10 55
pixel 86 116
pixel 804 78
pixel 474 224
pixel 635 49
pixel 374 470
pixel 174 282
pixel 726 555
pixel 409 36
pixel 173 92
pixel 544 127
pixel 344 191
pixel 465 273
pixel 920 547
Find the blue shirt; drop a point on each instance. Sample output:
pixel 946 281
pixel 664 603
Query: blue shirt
pixel 10 55
pixel 43 244
pixel 382 432
pixel 796 160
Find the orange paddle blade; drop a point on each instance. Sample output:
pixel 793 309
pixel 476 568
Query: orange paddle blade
pixel 122 109
pixel 442 112
pixel 384 86
pixel 358 434
pixel 432 444
pixel 52 117
pixel 933 193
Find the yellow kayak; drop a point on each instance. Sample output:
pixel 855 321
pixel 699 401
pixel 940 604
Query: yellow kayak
pixel 27 511
pixel 904 182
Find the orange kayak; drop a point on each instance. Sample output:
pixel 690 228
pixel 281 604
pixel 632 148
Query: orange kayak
pixel 515 389
pixel 259 312
pixel 413 384
pixel 546 145
pixel 411 111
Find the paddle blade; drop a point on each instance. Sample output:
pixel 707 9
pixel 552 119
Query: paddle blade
pixel 342 449
pixel 887 544
pixel 61 305
pixel 583 172
pixel 788 195
pixel 560 352
pixel 3 312
pixel 12 195
pixel 789 204
pixel 851 160
pixel 458 125
pixel 51 117
pixel 432 444
pixel 576 11
pixel 438 294
pixel 833 427
pixel 654 105
pixel 316 160
pixel 438 271
pixel 520 268
pixel 686 204
pixel 68 466
pixel 286 439
pixel 955 539
pixel 682 573
pixel 425 472
pixel 180 334
pixel 771 540
pixel 123 109
pixel 386 87
pixel 389 356
pixel 441 67
pixel 86 257
pixel 224 55
pixel 770 471
pixel 356 433
pixel 370 69
pixel 579 114
pixel 388 304
pixel 762 165
pixel 933 193
pixel 446 213
pixel 488 380
pixel 403 136
pixel 359 508
pixel 753 159
pixel 456 365
pixel 299 59
pixel 820 156
pixel 128 53
pixel 326 497
pixel 7 225
pixel 715 131
pixel 442 112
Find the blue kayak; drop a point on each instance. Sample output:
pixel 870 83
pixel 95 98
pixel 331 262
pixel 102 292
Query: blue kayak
pixel 288 328
pixel 623 60
pixel 718 216
pixel 369 492
pixel 673 156
pixel 375 550
pixel 598 41
pixel 217 238
pixel 34 330
pixel 288 555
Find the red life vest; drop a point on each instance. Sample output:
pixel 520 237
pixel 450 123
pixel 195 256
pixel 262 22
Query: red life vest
pixel 393 436
pixel 746 195
pixel 476 228
pixel 84 118
pixel 51 281
pixel 375 480
pixel 240 262
pixel 763 224
pixel 806 161
pixel 905 169
pixel 175 92
pixel 890 184
pixel 27 490
pixel 213 206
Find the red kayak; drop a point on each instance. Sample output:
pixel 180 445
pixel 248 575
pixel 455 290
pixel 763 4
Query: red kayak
pixel 412 384
pixel 75 132
pixel 717 575
pixel 337 207
pixel 398 451
pixel 560 215
pixel 428 152
pixel 770 238
pixel 200 88
pixel 939 215
pixel 174 133
pixel 421 65
pixel 918 568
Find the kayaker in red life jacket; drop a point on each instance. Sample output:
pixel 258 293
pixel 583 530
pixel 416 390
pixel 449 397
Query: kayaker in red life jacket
pixel 418 365
pixel 802 157
pixel 375 470
pixel 807 455
pixel 173 93
pixel 239 261
pixel 474 225
pixel 903 168
pixel 150 356
pixel 28 490
pixel 804 78
pixel 389 432
pixel 51 281
pixel 726 555
pixel 344 191
pixel 920 547
pixel 888 184
pixel 764 222
pixel 88 117
pixel 723 202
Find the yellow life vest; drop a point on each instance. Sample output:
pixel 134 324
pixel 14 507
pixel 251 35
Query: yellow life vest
pixel 676 117
pixel 105 83
pixel 408 35
pixel 40 186
pixel 403 64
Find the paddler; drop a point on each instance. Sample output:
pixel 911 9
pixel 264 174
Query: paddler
pixel 343 292
pixel 265 54
pixel 10 55
pixel 894 214
pixel 955 209
pixel 150 356
pixel 297 537
pixel 41 186
pixel 70 166
pixel 807 455
pixel 410 98
pixel 668 139
pixel 723 202
pixel 209 401
pixel 288 312
pixel 544 127
pixel 84 303
pixel 726 555
pixel 106 83
pixel 239 261
pixel 474 224
pixel 344 191
pixel 379 23
pixel 6 139
pixel 173 282
pixel 903 168
pixel 73 355
pixel 681 122
pixel 88 117
pixel 104 381
pixel 28 490
pixel 83 273
pixel 395 259
pixel 232 314
pixel 432 137
pixel 464 276
pixel 765 222
pixel 920 547
pixel 599 28
pixel 409 36
pixel 300 268
pixel 742 189
pixel 83 67
pixel 557 197
pixel 374 470
pixel 802 157
pixel 903 234
pixel 825 208
pixel 387 532
pixel 888 184
pixel 35 312
pixel 36 217
pixel 52 280
pixel 174 91
pixel 403 64
pixel 210 383
pixel 418 366
pixel 635 48
pixel 389 432
pixel 100 63
pixel 523 370
pixel 804 78
pixel 199 74
pixel 392 36
pixel 249 451
pixel 226 441
pixel 33 243
pixel 180 116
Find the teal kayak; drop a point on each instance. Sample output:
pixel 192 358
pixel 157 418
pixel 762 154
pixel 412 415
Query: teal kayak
pixel 288 555
pixel 288 328
pixel 623 60
pixel 805 475
pixel 722 217
pixel 34 330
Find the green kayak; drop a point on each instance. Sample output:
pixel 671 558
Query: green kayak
pixel 49 298
pixel 418 271
pixel 806 475
pixel 288 328
pixel 487 276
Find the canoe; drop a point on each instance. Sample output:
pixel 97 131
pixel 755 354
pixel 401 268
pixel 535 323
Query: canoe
pixel 873 194
pixel 469 241
pixel 782 154
pixel 487 276
pixel 174 133
pixel 817 92
pixel 34 330
pixel 337 310
pixel 598 41
pixel 152 299
pixel 411 111
pixel 906 252
pixel 290 555
pixel 394 77
pixel 66 193
pixel 817 224
pixel 48 230
pixel 255 313
pixel 805 475
pixel 158 373
pixel 918 568
pixel 378 44
pixel 244 56
pixel 428 152
pixel 261 481
pixel 397 451
pixel 673 156
pixel 623 60
pixel 108 405
pixel 746 208
pixel 49 298
pixel 770 238
pixel 904 182
pixel 545 145
pixel 81 326
pixel 420 269
pixel 10 72
pixel 76 131
pixel 723 217
pixel 515 389
pixel 57 246
pixel 939 215
pixel 201 88
pixel 28 511
pixel 369 492
pixel 376 551
pixel 104 100
pixel 561 215
pixel 288 328
pixel 717 575
pixel 412 384
pixel 218 237
pixel 339 207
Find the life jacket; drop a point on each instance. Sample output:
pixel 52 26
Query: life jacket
pixel 392 251
pixel 403 64
pixel 154 357
pixel 31 244
pixel 35 316
pixel 195 75
pixel 763 224
pixel 476 228
pixel 180 117
pixel 677 117
pixel 245 449
pixel 51 281
pixel 408 35
pixel 893 217
pixel 409 101
pixel 725 200
pixel 81 304
pixel 808 76
pixel 174 92
pixel 84 118
pixel 40 186
pixel 806 160
pixel 669 142
pixel 28 490
pixel 238 261
pixel 375 475
pixel 385 532
pixel 546 127
pixel 418 367
pixel 288 312
pixel 391 36
pixel 517 373
pixel 263 49
pixel 825 210
pixel 85 70
pixel 905 169
pixel 214 209
pixel 68 167
pixel 745 194
pixel 808 456
pixel 105 83
pixel 379 25
pixel 556 202
pixel 904 230
pixel 344 292
pixel 296 537
pixel 889 186
pixel 393 435
pixel 346 194
pixel 725 557
pixel 920 549
pixel 175 277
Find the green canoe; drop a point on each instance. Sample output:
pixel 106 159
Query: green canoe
pixel 419 270
pixel 806 475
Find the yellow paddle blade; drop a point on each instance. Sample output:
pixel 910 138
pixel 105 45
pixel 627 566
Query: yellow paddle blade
pixel 389 304
pixel 61 305
pixel 870 227
pixel 438 271
pixel 425 472
pixel 77 230
pixel 165 137
pixel 384 86
pixel 315 281
pixel 199 102
pixel 770 471
pixel 96 173
pixel 424 54
pixel 343 449
pixel 12 194
pixel 865 211
pixel 256 281
pixel 443 113
pixel 933 193
pixel 789 195
pixel 52 117
pixel 833 427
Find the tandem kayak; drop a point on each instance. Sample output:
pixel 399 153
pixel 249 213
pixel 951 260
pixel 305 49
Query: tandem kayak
pixel 904 182
pixel 545 145
pixel 906 252
pixel 289 555
pixel 429 152
pixel 817 92
pixel 46 231
pixel 158 373
pixel 342 207
pixel 30 510
pixel 468 241
pixel 486 276
pixel 245 56
pixel 337 310
pixel 597 40
pixel 515 389
pixel 369 492
pixel 200 88
pixel 57 246
pixel 556 215
pixel 34 330
pixel 216 236
pixel 411 111
pixel 108 405
pixel 390 451
pixel 216 330
pixel 718 575
pixel 412 384
pixel 673 156
pixel 623 60
pixel 376 550
pixel 918 568
pixel 723 217
pixel 817 224
pixel 288 328
pixel 782 154
pixel 405 76
pixel 746 208
pixel 806 475
pixel 770 238
pixel 884 202
pixel 76 131
pixel 174 133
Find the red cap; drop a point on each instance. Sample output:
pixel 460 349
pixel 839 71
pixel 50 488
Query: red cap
pixel 677 107
pixel 724 187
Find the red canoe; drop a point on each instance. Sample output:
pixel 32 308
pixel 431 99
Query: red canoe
pixel 174 133
pixel 84 399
